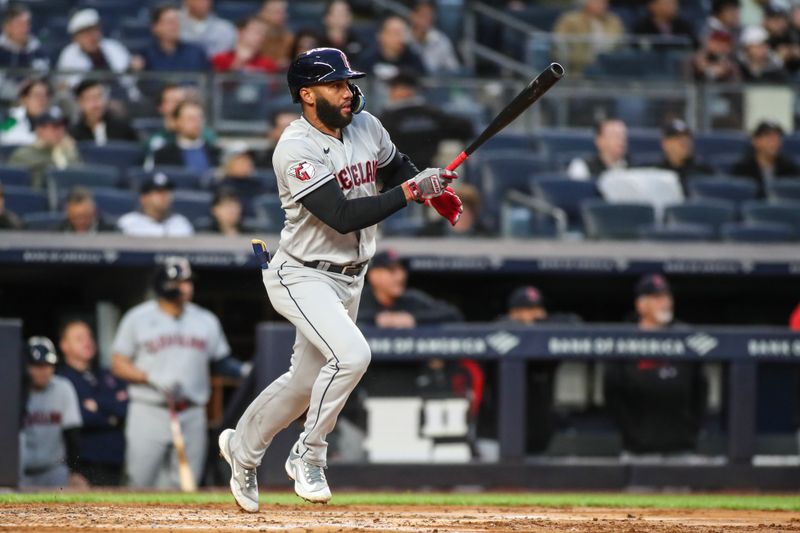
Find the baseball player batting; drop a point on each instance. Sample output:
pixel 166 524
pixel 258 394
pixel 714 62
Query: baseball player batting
pixel 329 164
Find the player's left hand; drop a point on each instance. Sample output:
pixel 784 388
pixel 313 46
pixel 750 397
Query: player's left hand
pixel 448 204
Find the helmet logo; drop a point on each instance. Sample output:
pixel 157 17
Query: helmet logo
pixel 302 171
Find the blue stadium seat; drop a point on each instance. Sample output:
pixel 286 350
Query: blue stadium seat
pixel 86 175
pixel 757 232
pixel 114 202
pixel 503 171
pixel 604 220
pixel 42 220
pixel 677 233
pixel 542 17
pixel 183 179
pixel 18 177
pixel 553 141
pixel 6 150
pixel 117 153
pixel 635 64
pixel 568 195
pixel 235 11
pixel 788 214
pixel 403 223
pixel 23 200
pixel 268 209
pixel 781 190
pixel 303 14
pixel 723 188
pixel 191 204
pixel 710 213
pixel 113 12
pixel 510 141
pixel 710 144
pixel 134 28
pixel 146 126
pixel 643 141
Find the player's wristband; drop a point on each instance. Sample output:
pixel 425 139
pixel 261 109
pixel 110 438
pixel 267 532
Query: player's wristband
pixel 412 191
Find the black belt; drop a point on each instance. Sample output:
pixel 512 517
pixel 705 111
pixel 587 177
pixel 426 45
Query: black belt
pixel 353 269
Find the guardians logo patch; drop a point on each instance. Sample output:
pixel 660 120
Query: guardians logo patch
pixel 302 171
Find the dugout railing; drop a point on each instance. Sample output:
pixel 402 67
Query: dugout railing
pixel 741 349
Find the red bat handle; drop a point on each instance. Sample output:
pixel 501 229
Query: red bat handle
pixel 457 161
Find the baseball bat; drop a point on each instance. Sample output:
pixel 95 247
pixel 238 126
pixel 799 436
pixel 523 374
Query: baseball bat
pixel 526 98
pixel 184 472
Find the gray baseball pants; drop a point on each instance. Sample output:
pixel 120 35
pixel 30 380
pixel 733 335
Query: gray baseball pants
pixel 330 356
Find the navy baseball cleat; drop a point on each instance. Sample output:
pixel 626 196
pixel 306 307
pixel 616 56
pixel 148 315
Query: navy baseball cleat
pixel 244 485
pixel 309 480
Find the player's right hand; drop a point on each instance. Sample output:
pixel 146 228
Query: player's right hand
pixel 428 184
pixel 170 389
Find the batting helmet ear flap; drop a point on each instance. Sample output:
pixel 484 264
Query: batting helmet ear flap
pixel 359 102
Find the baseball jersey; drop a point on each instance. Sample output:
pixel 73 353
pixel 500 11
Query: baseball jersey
pixel 50 412
pixel 171 350
pixel 304 160
pixel 141 225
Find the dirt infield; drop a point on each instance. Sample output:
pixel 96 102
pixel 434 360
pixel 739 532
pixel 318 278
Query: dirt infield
pixel 70 518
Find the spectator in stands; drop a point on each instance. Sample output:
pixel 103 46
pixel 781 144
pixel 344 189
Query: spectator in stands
pixel 53 148
pixel 764 162
pixel 226 212
pixel 756 61
pixel 18 48
pixel 89 50
pixel 96 123
pixel 155 219
pixel 663 20
pixel 586 32
pixel 305 40
pixel 49 442
pixel 167 52
pixel 103 401
pixel 34 99
pixel 338 31
pixel 470 224
pixel 279 40
pixel 781 41
pixel 199 25
pixel 677 145
pixel 611 141
pixel 388 303
pixel 715 61
pixel 189 149
pixel 170 96
pixel 247 55
pixel 80 213
pixel 432 45
pixel 279 121
pixel 392 51
pixel 658 405
pixel 724 18
pixel 8 220
pixel 416 127
pixel 238 174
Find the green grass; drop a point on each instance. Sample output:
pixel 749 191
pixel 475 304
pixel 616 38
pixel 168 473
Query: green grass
pixel 664 501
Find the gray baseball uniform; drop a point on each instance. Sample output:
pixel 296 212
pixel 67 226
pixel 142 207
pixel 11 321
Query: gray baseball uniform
pixel 43 453
pixel 330 353
pixel 172 351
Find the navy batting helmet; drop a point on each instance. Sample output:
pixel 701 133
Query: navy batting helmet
pixel 322 65
pixel 173 270
pixel 41 351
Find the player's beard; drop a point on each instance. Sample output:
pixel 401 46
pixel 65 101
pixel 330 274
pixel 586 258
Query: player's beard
pixel 332 116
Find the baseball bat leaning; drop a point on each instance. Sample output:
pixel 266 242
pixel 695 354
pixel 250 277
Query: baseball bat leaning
pixel 526 98
pixel 184 472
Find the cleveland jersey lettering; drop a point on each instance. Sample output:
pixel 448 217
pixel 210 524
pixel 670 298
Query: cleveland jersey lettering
pixel 304 160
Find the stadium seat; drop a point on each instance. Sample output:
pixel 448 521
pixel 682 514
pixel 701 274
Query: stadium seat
pixel 509 141
pixel 710 213
pixel 183 179
pixel 710 144
pixel 23 200
pixel 268 209
pixel 114 202
pixel 235 11
pixel 554 141
pixel 86 175
pixel 42 221
pixel 503 171
pixel 567 195
pixel 757 232
pixel 191 204
pixel 788 214
pixel 403 223
pixel 118 154
pixel 781 190
pixel 6 150
pixel 604 220
pixel 677 233
pixel 725 188
pixel 642 140
pixel 18 177
pixel 146 126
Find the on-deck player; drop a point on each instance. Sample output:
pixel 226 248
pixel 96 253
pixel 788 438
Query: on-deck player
pixel 327 164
